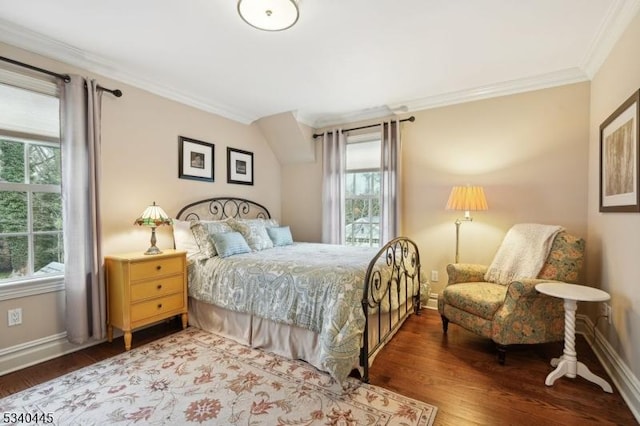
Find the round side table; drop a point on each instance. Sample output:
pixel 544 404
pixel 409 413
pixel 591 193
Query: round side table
pixel 568 364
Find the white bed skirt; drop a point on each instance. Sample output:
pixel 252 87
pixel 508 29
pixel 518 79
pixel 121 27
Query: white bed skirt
pixel 290 341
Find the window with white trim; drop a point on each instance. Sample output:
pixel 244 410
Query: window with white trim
pixel 362 190
pixel 31 235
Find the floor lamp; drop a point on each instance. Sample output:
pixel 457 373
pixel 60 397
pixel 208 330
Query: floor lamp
pixel 465 198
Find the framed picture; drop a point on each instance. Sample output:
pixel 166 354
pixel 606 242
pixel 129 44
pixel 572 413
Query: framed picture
pixel 619 158
pixel 239 166
pixel 195 159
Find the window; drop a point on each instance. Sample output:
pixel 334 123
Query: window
pixel 31 237
pixel 362 190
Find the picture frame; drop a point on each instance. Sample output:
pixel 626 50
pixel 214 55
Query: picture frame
pixel 195 159
pixel 620 158
pixel 239 166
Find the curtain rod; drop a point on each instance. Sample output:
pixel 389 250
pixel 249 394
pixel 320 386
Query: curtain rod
pixel 64 77
pixel 411 119
pixel 116 92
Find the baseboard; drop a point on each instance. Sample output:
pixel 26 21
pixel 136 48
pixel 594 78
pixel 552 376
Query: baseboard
pixel 625 381
pixel 432 303
pixel 34 352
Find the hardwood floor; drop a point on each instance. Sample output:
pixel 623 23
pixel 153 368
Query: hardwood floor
pixel 458 373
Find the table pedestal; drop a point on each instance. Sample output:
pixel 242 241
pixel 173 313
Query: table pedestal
pixel 568 364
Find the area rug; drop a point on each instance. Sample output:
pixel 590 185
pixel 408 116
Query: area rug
pixel 196 377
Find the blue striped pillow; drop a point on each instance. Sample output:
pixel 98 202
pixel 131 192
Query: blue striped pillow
pixel 281 236
pixel 230 243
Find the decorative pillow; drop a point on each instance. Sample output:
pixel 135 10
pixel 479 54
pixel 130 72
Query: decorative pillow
pixel 230 243
pixel 254 232
pixel 203 239
pixel 270 222
pixel 281 236
pixel 217 226
pixel 183 237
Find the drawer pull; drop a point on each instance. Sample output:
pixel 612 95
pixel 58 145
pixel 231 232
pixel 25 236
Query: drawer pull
pixel 159 305
pixel 158 267
pixel 159 286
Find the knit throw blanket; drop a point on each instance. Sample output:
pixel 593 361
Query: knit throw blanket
pixel 522 253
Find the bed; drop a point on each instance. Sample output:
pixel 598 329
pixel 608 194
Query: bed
pixel 332 306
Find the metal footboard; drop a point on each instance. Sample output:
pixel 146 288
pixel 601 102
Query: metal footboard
pixel 392 277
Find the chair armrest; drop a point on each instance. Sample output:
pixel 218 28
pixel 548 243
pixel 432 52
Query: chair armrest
pixel 524 287
pixel 465 272
pixel 528 316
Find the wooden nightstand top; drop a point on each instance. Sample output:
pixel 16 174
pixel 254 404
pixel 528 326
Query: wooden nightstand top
pixel 140 256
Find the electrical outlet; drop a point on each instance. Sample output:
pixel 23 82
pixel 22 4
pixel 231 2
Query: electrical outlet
pixel 14 317
pixel 434 276
pixel 609 313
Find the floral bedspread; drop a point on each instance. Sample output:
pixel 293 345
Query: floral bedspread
pixel 315 286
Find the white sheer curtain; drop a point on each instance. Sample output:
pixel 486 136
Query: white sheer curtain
pixel 390 185
pixel 333 166
pixel 84 281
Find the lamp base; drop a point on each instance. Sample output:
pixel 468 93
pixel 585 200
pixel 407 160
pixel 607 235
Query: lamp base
pixel 153 250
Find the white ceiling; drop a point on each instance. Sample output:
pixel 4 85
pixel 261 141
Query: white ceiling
pixel 344 60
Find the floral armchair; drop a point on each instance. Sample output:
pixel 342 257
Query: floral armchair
pixel 515 313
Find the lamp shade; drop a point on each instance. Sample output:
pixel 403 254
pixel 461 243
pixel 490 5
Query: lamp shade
pixel 269 15
pixel 467 198
pixel 153 216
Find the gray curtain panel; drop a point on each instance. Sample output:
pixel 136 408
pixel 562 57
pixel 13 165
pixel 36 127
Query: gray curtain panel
pixel 84 281
pixel 333 170
pixel 390 186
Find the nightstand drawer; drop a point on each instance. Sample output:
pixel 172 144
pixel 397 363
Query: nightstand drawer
pixel 151 308
pixel 160 287
pixel 156 267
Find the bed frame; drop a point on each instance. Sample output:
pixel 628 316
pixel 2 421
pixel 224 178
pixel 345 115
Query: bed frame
pixel 399 255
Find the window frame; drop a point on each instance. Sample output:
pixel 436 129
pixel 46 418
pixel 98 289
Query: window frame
pixel 355 139
pixel 32 284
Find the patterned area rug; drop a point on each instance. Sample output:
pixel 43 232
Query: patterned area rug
pixel 196 377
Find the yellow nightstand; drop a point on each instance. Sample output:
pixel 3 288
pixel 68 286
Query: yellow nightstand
pixel 143 289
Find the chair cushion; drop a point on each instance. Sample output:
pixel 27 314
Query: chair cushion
pixel 477 298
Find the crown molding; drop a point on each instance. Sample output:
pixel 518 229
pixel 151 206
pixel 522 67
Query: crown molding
pixel 384 111
pixel 614 24
pixel 543 81
pixel 37 43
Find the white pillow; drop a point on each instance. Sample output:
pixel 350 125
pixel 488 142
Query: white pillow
pixel 183 237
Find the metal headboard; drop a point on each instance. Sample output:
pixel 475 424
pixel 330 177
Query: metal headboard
pixel 219 208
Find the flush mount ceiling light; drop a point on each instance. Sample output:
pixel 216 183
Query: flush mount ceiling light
pixel 269 15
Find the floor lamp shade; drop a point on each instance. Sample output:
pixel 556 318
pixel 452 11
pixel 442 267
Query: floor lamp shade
pixel 465 198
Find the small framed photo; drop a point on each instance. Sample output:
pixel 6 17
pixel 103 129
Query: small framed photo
pixel 620 158
pixel 239 166
pixel 195 159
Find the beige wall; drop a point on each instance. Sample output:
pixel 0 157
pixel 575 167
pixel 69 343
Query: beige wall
pixel 140 165
pixel 529 151
pixel 614 238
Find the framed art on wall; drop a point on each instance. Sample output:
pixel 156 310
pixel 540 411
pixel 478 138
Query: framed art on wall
pixel 195 159
pixel 239 166
pixel 619 158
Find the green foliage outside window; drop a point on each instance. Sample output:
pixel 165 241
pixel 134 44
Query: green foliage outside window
pixel 27 172
pixel 362 208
